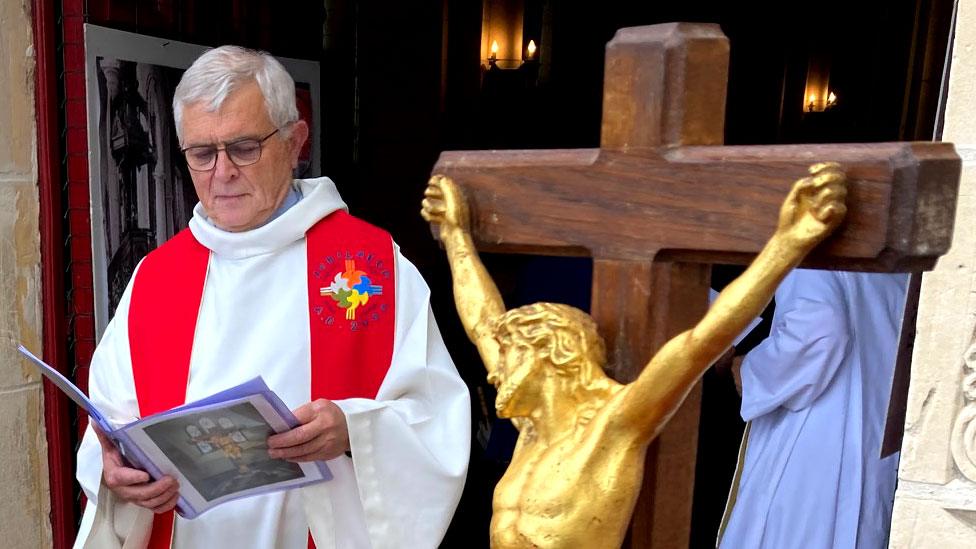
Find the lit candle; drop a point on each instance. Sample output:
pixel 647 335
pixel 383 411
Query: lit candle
pixel 531 50
pixel 494 50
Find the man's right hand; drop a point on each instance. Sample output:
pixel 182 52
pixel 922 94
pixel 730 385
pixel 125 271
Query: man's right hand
pixel 133 485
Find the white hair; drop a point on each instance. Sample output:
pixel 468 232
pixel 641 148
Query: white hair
pixel 218 72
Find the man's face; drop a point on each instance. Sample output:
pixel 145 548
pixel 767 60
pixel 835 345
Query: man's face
pixel 518 380
pixel 239 198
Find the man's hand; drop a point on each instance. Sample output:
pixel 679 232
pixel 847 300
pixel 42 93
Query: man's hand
pixel 737 373
pixel 815 206
pixel 133 485
pixel 322 435
pixel 724 362
pixel 444 205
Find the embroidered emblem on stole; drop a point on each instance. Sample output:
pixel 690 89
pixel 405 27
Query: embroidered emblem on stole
pixel 351 288
pixel 352 281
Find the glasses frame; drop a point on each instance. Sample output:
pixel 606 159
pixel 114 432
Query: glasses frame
pixel 217 151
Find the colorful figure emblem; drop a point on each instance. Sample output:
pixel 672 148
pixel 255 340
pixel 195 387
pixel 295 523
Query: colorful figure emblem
pixel 351 288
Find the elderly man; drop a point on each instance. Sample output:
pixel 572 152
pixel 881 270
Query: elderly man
pixel 274 278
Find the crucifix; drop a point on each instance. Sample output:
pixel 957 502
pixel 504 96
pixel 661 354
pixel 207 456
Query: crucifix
pixel 661 199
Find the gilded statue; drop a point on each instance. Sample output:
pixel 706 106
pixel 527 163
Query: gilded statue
pixel 578 463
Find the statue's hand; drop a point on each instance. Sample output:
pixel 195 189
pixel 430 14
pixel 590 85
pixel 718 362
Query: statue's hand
pixel 815 206
pixel 444 205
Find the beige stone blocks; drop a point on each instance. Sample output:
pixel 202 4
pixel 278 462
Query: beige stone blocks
pixel 923 523
pixel 25 504
pixel 16 89
pixel 935 504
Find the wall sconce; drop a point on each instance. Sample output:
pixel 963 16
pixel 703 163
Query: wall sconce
pixel 818 104
pixel 501 33
pixel 817 96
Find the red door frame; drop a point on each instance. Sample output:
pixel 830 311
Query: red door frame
pixel 56 418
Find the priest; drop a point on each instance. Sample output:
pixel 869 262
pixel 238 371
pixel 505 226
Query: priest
pixel 274 278
pixel 816 395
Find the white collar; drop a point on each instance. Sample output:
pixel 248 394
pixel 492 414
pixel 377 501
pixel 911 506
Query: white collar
pixel 320 199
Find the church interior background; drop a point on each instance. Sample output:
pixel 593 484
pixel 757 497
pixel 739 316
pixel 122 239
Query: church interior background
pixel 403 81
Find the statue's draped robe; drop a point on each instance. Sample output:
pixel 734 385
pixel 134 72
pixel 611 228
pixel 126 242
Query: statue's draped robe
pixel 410 444
pixel 816 393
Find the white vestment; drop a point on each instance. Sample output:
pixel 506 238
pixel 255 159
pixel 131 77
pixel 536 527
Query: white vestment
pixel 816 392
pixel 410 445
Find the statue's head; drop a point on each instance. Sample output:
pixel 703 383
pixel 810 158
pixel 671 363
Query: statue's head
pixel 544 340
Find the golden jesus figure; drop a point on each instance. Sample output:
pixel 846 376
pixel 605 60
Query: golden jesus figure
pixel 579 460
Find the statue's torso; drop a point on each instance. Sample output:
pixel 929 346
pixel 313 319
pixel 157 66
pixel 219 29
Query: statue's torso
pixel 576 492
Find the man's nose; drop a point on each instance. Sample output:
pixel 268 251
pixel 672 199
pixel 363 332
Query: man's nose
pixel 225 169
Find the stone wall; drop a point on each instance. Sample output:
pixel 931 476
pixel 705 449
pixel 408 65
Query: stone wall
pixel 935 505
pixel 24 505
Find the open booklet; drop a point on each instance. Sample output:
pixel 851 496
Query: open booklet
pixel 215 447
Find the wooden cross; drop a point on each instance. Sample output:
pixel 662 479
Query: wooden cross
pixel 661 199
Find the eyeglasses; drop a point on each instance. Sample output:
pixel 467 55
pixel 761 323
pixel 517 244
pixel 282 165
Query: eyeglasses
pixel 242 153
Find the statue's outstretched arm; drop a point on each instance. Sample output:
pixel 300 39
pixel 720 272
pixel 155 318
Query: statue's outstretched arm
pixel 812 210
pixel 475 294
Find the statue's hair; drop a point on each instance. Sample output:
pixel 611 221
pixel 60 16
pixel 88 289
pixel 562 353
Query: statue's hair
pixel 218 72
pixel 567 334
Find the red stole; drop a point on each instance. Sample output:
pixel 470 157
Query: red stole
pixel 351 297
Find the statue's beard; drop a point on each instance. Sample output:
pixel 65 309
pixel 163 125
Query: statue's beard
pixel 505 394
pixel 502 399
pixel 513 392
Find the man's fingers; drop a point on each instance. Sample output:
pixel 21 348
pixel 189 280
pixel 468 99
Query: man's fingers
pixel 147 491
pixel 119 477
pixel 433 191
pixel 304 413
pixel 322 455
pixel 168 505
pixel 323 426
pixel 292 452
pixel 159 501
pixel 298 435
pixel 328 450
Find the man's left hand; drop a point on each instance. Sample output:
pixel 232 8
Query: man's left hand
pixel 322 435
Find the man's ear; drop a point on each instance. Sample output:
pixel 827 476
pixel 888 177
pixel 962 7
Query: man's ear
pixel 299 134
